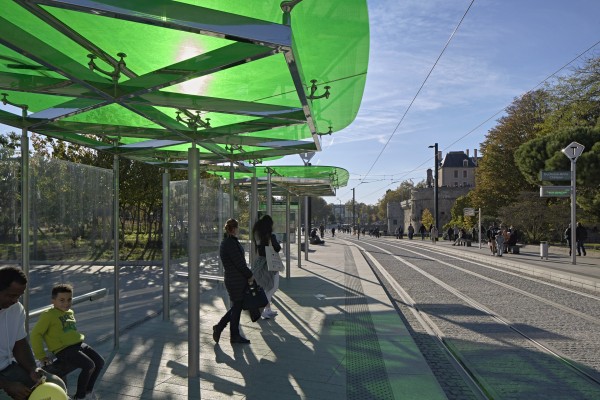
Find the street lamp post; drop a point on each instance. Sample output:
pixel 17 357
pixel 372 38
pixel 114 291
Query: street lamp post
pixel 435 186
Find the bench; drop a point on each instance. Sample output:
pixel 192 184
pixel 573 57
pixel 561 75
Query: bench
pixel 57 367
pixel 515 249
pixel 205 277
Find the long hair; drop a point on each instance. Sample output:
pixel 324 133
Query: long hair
pixel 263 229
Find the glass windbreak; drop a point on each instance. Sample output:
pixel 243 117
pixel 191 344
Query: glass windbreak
pixel 214 211
pixel 10 208
pixel 71 212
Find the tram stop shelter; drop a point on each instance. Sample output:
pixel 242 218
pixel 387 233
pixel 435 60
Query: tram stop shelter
pixel 180 84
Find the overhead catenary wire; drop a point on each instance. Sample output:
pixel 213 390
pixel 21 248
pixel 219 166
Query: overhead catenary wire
pixel 476 128
pixel 421 87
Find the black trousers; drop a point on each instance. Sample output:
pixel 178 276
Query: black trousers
pixel 91 363
pixel 232 317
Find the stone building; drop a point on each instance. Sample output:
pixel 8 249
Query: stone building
pixel 458 169
pixel 456 174
pixel 395 218
pixel 422 199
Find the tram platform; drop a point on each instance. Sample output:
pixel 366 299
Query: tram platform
pixel 337 336
pixel 557 266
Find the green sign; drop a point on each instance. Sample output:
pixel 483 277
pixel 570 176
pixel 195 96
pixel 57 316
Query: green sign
pixel 555 191
pixel 555 175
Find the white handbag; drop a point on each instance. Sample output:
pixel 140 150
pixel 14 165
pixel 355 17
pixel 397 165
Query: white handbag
pixel 274 262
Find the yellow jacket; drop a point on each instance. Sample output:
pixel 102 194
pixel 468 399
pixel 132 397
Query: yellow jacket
pixel 57 328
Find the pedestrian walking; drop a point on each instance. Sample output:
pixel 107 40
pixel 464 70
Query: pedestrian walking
pixel 580 237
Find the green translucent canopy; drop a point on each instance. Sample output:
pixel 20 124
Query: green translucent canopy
pixel 316 180
pixel 244 80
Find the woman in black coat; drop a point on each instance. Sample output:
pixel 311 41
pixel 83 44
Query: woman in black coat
pixel 237 277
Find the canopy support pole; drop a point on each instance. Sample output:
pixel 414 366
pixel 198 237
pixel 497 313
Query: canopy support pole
pixel 166 244
pixel 306 228
pixel 299 235
pixel 193 263
pixel 231 177
pixel 25 209
pixel 253 213
pixel 221 222
pixel 269 194
pixel 287 235
pixel 116 238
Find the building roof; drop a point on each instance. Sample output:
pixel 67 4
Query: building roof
pixel 454 159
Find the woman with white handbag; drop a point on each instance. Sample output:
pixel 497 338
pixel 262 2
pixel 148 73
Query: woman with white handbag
pixel 266 242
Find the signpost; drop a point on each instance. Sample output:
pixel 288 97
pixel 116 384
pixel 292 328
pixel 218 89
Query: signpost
pixel 573 151
pixel 470 212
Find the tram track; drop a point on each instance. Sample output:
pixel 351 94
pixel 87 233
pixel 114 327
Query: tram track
pixel 521 291
pixel 526 348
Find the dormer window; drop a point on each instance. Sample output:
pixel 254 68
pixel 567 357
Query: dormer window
pixel 465 163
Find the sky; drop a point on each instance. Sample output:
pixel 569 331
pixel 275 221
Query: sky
pixel 501 50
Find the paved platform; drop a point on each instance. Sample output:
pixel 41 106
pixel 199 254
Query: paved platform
pixel 337 336
pixel 557 266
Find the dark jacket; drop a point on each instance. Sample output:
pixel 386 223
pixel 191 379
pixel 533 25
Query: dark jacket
pixel 260 247
pixel 237 272
pixel 580 233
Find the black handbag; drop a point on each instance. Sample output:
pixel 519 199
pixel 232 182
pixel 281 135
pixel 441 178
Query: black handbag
pixel 254 297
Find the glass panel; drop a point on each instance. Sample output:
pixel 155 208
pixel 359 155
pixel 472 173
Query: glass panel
pixel 71 241
pixel 10 208
pixel 214 211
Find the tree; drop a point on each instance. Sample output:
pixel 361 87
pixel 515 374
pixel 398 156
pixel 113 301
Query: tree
pixel 397 195
pixel 536 218
pixel 427 218
pixel 544 153
pixel 575 99
pixel 497 178
pixel 320 210
pixel 457 213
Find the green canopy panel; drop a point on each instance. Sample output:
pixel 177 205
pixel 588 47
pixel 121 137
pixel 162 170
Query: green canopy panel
pixel 243 80
pixel 297 180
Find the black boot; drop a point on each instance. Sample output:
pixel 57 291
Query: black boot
pixel 239 339
pixel 217 333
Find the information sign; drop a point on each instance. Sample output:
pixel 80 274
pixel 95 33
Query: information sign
pixel 469 212
pixel 555 191
pixel 555 175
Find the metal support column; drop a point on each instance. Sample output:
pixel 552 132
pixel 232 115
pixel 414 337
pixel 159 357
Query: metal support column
pixel 166 244
pixel 231 193
pixel 287 235
pixel 221 222
pixel 253 213
pixel 573 211
pixel 573 151
pixel 116 238
pixel 193 263
pixel 353 211
pixel 306 228
pixel 269 194
pixel 299 235
pixel 435 185
pixel 25 210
